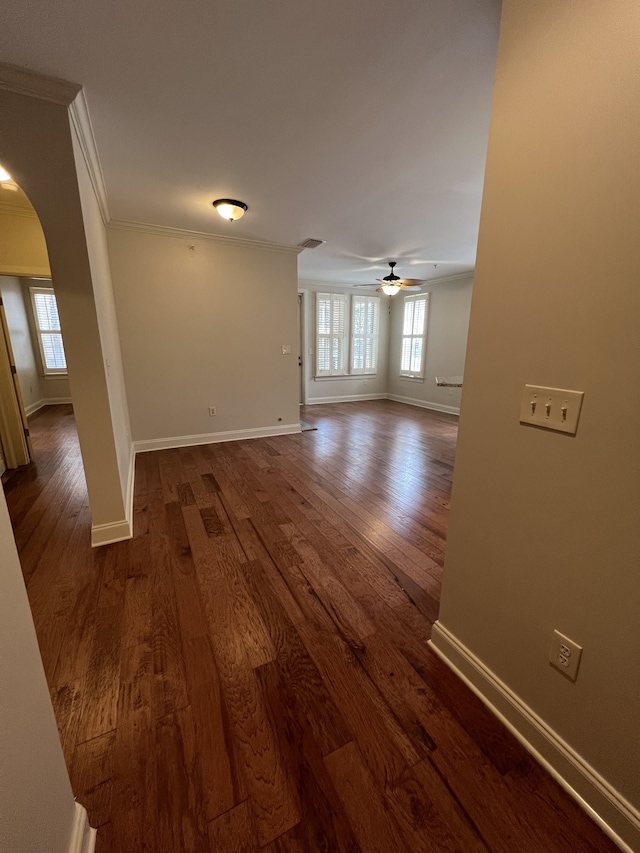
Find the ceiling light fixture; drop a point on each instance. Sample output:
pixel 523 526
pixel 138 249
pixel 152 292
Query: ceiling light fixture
pixel 4 176
pixel 390 289
pixel 230 209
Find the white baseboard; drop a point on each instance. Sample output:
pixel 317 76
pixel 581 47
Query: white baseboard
pixel 424 404
pixel 118 531
pixel 617 817
pixel 350 398
pixel 32 408
pixel 114 531
pixel 83 837
pixel 213 437
pixel 128 498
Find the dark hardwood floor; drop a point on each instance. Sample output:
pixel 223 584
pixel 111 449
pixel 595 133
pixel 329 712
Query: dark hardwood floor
pixel 250 672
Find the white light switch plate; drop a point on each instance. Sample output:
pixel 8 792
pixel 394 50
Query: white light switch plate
pixel 551 408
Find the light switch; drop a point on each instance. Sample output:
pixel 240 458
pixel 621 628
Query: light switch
pixel 551 408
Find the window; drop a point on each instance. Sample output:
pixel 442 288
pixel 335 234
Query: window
pixel 414 333
pixel 45 312
pixel 331 344
pixel 364 334
pixel 346 348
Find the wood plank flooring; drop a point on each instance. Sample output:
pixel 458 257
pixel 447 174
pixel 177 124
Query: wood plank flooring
pixel 250 672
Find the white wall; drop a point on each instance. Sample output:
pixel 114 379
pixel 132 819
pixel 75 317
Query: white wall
pixel 204 327
pixel 37 810
pixel 341 388
pixel 448 323
pixel 37 390
pixel 98 254
pixel 544 529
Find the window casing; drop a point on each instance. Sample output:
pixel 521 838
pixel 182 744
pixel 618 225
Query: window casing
pixel 414 336
pixel 365 322
pixel 47 322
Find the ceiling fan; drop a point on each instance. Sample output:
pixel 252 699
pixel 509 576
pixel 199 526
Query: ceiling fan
pixel 392 283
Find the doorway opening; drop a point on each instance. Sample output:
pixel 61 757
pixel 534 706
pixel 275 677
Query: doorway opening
pixel 33 370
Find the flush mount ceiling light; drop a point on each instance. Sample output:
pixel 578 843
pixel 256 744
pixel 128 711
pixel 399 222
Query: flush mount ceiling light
pixel 230 209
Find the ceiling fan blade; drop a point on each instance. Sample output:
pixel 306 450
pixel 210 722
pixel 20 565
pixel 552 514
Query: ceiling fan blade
pixel 412 287
pixel 411 281
pixel 364 285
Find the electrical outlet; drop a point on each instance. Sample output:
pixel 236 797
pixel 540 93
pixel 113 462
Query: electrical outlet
pixel 565 655
pixel 212 411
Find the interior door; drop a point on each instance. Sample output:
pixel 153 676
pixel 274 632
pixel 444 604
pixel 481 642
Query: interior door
pixel 14 429
pixel 301 348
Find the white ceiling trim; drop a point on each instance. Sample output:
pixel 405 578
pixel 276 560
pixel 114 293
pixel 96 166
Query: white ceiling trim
pixel 81 122
pixel 239 242
pixel 26 82
pixel 323 282
pixel 447 278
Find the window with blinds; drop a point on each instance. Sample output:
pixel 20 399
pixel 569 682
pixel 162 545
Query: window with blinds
pixel 365 315
pixel 45 312
pixel 331 334
pixel 346 341
pixel 414 334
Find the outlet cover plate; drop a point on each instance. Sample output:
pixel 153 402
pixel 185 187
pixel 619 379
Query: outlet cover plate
pixel 565 655
pixel 551 408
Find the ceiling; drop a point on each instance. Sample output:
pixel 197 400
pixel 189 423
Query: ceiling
pixel 363 123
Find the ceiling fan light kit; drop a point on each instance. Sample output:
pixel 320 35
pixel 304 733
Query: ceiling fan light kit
pixel 230 209
pixel 392 283
pixel 390 289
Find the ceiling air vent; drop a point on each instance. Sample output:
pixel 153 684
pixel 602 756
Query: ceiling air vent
pixel 310 243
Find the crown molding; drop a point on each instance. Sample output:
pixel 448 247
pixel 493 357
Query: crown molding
pixel 17 210
pixel 446 278
pixel 81 123
pixel 23 81
pixel 323 282
pixel 182 234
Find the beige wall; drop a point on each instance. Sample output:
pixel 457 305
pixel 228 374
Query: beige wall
pixel 205 327
pixel 23 250
pixel 37 809
pixel 545 527
pixel 37 151
pixel 339 388
pixel 448 323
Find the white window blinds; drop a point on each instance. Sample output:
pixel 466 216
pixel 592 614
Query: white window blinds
pixel 45 312
pixel 365 317
pixel 331 344
pixel 414 331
